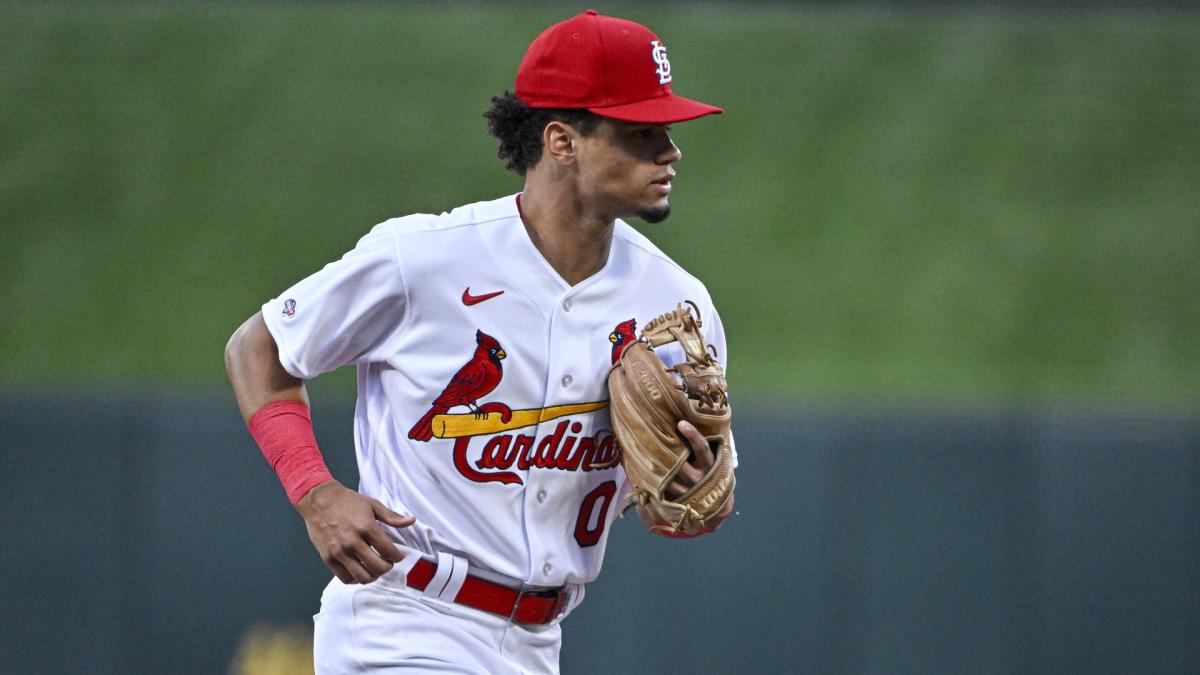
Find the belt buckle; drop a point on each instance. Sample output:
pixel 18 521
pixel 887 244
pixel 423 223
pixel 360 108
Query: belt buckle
pixel 561 604
pixel 557 611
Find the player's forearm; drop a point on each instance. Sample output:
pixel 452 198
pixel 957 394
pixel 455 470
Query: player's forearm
pixel 252 363
pixel 275 407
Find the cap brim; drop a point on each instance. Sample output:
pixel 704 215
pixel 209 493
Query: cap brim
pixel 660 110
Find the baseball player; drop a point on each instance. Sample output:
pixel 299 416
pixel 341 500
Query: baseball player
pixel 489 474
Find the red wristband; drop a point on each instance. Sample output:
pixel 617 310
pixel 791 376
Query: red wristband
pixel 284 433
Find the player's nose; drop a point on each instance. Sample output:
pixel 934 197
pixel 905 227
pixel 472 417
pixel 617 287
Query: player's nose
pixel 671 153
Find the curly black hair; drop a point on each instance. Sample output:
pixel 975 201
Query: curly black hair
pixel 520 127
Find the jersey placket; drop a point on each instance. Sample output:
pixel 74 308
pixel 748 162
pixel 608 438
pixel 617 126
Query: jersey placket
pixel 546 499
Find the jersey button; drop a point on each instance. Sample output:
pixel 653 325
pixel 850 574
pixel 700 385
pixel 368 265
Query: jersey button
pixel 567 305
pixel 541 496
pixel 566 381
pixel 546 569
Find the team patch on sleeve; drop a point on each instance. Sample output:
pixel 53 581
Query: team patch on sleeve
pixel 289 308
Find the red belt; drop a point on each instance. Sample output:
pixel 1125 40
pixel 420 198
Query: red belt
pixel 534 607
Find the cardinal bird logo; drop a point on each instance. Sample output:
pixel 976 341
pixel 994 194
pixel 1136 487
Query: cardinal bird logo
pixel 621 337
pixel 472 382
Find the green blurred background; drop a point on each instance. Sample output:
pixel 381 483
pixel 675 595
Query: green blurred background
pixel 935 204
pixel 942 213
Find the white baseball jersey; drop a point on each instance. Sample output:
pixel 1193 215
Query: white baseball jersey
pixel 482 380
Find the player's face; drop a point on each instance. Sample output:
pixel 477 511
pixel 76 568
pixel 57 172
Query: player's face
pixel 625 169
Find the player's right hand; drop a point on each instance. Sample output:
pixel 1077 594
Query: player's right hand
pixel 343 526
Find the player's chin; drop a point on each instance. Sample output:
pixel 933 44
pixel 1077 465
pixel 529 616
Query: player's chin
pixel 655 213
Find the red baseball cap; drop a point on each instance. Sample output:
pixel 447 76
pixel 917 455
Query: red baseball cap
pixel 613 67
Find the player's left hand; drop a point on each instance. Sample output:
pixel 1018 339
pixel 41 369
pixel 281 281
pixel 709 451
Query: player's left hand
pixel 695 469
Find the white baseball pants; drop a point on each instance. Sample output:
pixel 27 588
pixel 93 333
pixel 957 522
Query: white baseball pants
pixel 385 627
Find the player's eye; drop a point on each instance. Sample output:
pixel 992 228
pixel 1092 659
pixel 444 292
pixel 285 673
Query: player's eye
pixel 648 133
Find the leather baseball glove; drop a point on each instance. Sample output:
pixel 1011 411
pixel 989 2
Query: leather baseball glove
pixel 648 399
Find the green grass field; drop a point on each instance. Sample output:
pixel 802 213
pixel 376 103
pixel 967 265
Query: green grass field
pixel 947 206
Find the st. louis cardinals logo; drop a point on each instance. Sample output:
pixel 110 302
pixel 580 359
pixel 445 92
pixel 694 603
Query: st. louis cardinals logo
pixel 658 52
pixel 563 448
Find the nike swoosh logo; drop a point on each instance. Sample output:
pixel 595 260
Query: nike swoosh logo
pixel 469 299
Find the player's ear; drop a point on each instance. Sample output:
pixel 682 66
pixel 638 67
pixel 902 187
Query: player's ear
pixel 560 141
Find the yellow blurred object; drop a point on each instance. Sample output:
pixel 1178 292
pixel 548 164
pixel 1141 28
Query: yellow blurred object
pixel 274 650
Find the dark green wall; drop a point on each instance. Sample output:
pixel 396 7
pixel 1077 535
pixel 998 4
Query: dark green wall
pixel 144 535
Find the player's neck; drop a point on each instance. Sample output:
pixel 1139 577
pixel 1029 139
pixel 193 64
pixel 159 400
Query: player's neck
pixel 575 243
